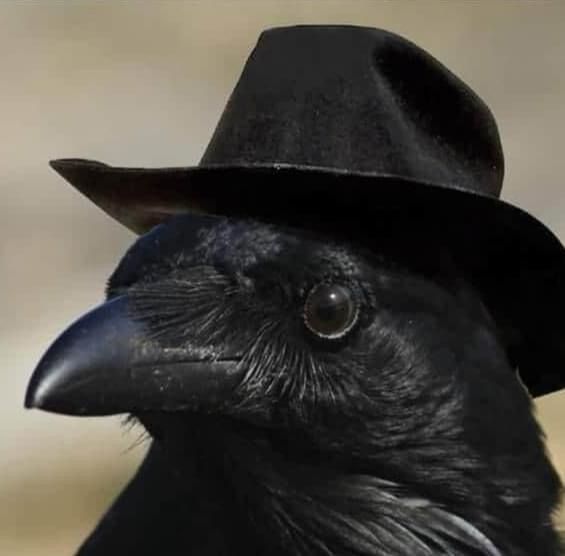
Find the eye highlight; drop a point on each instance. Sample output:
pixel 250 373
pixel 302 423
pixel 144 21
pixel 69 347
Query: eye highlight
pixel 330 311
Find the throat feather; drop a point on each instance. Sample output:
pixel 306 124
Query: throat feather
pixel 307 514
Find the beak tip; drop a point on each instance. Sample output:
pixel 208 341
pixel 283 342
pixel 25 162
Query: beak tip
pixel 30 402
pixel 44 396
pixel 35 396
pixel 69 377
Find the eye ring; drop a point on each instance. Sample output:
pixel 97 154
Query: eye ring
pixel 331 310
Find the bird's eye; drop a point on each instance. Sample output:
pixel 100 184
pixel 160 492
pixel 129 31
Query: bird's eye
pixel 330 310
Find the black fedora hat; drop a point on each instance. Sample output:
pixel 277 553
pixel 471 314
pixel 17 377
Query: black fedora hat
pixel 333 124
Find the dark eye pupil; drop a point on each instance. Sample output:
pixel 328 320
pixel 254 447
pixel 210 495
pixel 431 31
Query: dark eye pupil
pixel 330 310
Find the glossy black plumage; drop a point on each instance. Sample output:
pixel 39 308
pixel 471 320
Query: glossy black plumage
pixel 411 435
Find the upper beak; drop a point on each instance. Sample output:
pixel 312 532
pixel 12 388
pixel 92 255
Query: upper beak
pixel 105 363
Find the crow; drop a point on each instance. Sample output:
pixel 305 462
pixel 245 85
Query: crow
pixel 324 325
pixel 306 395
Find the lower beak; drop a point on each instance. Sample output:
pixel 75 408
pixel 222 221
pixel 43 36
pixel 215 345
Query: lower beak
pixel 105 363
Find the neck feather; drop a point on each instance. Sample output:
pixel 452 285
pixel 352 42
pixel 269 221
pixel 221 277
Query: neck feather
pixel 301 510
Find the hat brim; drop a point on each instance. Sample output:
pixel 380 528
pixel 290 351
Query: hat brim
pixel 516 261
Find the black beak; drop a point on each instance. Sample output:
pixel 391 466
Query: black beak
pixel 105 363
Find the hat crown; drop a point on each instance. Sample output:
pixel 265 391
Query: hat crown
pixel 357 100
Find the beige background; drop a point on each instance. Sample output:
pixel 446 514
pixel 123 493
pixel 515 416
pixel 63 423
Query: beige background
pixel 143 83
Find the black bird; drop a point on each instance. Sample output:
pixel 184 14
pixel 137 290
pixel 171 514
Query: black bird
pixel 324 344
pixel 306 396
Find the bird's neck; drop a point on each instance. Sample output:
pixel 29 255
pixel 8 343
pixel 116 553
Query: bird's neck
pixel 228 494
pixel 285 508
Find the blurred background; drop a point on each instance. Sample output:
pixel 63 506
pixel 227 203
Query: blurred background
pixel 143 83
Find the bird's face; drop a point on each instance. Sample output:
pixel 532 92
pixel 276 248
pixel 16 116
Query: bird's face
pixel 281 329
pixel 327 355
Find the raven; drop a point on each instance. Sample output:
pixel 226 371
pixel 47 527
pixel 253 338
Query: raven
pixel 321 328
pixel 306 395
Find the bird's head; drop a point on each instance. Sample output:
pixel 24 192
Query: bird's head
pixel 360 385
